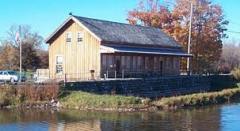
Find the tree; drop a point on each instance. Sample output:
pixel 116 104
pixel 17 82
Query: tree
pixel 230 57
pixel 31 44
pixel 43 56
pixel 152 13
pixel 8 57
pixel 208 28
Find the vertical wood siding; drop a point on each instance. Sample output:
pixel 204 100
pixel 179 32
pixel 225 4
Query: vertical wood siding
pixel 78 58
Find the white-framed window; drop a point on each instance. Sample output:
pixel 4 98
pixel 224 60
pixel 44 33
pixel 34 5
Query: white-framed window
pixel 68 37
pixel 79 37
pixel 59 60
pixel 59 64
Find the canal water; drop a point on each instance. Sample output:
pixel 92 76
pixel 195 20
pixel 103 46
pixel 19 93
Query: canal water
pixel 214 118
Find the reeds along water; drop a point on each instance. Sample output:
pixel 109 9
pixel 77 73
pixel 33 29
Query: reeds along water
pixel 28 92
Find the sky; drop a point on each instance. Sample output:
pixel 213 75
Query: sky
pixel 44 16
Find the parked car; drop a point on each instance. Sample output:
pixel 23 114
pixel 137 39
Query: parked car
pixel 11 76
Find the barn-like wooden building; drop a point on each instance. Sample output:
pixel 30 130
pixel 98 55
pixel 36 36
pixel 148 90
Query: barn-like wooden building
pixel 84 48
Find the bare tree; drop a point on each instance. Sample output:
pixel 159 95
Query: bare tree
pixel 230 57
pixel 26 35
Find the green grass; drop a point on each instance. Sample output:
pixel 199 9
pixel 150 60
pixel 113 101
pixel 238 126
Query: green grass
pixel 82 100
pixel 199 99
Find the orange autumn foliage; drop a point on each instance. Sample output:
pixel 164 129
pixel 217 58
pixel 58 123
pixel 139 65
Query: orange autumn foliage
pixel 208 27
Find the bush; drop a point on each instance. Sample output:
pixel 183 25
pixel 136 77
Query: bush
pixel 7 96
pixel 236 73
pixel 32 92
pixel 13 95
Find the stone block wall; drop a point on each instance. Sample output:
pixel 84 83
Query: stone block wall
pixel 150 87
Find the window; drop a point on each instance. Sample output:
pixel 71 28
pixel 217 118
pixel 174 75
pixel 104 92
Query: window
pixel 79 37
pixel 59 64
pixel 59 60
pixel 59 69
pixel 12 73
pixel 69 37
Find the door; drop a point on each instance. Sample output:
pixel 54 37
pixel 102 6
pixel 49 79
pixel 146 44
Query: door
pixel 118 64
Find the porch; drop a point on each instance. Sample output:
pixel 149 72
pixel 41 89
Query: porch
pixel 136 62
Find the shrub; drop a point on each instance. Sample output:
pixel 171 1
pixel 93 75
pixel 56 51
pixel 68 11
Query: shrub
pixel 236 73
pixel 32 92
pixel 7 96
pixel 13 95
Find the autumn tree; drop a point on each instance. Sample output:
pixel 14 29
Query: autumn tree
pixel 8 57
pixel 208 27
pixel 152 13
pixel 31 46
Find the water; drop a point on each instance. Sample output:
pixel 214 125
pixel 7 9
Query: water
pixel 215 118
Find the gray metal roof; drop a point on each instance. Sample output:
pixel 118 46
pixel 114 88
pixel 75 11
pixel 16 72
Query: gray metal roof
pixel 149 50
pixel 121 33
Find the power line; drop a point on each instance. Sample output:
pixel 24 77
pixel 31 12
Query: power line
pixel 230 31
pixel 234 23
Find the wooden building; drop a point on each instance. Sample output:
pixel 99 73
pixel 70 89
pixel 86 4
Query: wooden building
pixel 89 48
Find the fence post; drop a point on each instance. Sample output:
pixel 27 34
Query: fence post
pixel 122 74
pixel 49 76
pixel 107 74
pixel 65 78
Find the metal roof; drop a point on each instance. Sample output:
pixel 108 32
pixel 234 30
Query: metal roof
pixel 120 33
pixel 125 33
pixel 144 50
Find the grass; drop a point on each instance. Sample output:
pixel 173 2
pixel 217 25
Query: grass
pixel 82 100
pixel 199 99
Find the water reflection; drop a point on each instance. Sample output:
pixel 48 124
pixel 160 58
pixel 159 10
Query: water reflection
pixel 230 118
pixel 204 119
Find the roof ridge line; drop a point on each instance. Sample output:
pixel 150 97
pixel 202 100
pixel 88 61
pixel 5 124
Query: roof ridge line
pixel 116 22
pixel 88 23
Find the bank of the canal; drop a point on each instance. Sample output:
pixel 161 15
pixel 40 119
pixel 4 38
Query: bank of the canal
pixel 54 96
pixel 32 97
pixel 87 101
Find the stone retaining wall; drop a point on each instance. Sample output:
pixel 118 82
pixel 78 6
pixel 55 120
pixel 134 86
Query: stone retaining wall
pixel 150 87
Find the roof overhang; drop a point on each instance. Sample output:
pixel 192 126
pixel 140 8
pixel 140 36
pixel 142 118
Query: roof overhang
pixel 49 38
pixel 142 50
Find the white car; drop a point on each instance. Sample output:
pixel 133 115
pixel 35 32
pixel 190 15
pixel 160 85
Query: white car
pixel 9 76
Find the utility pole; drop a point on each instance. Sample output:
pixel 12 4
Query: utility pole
pixel 189 38
pixel 20 58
